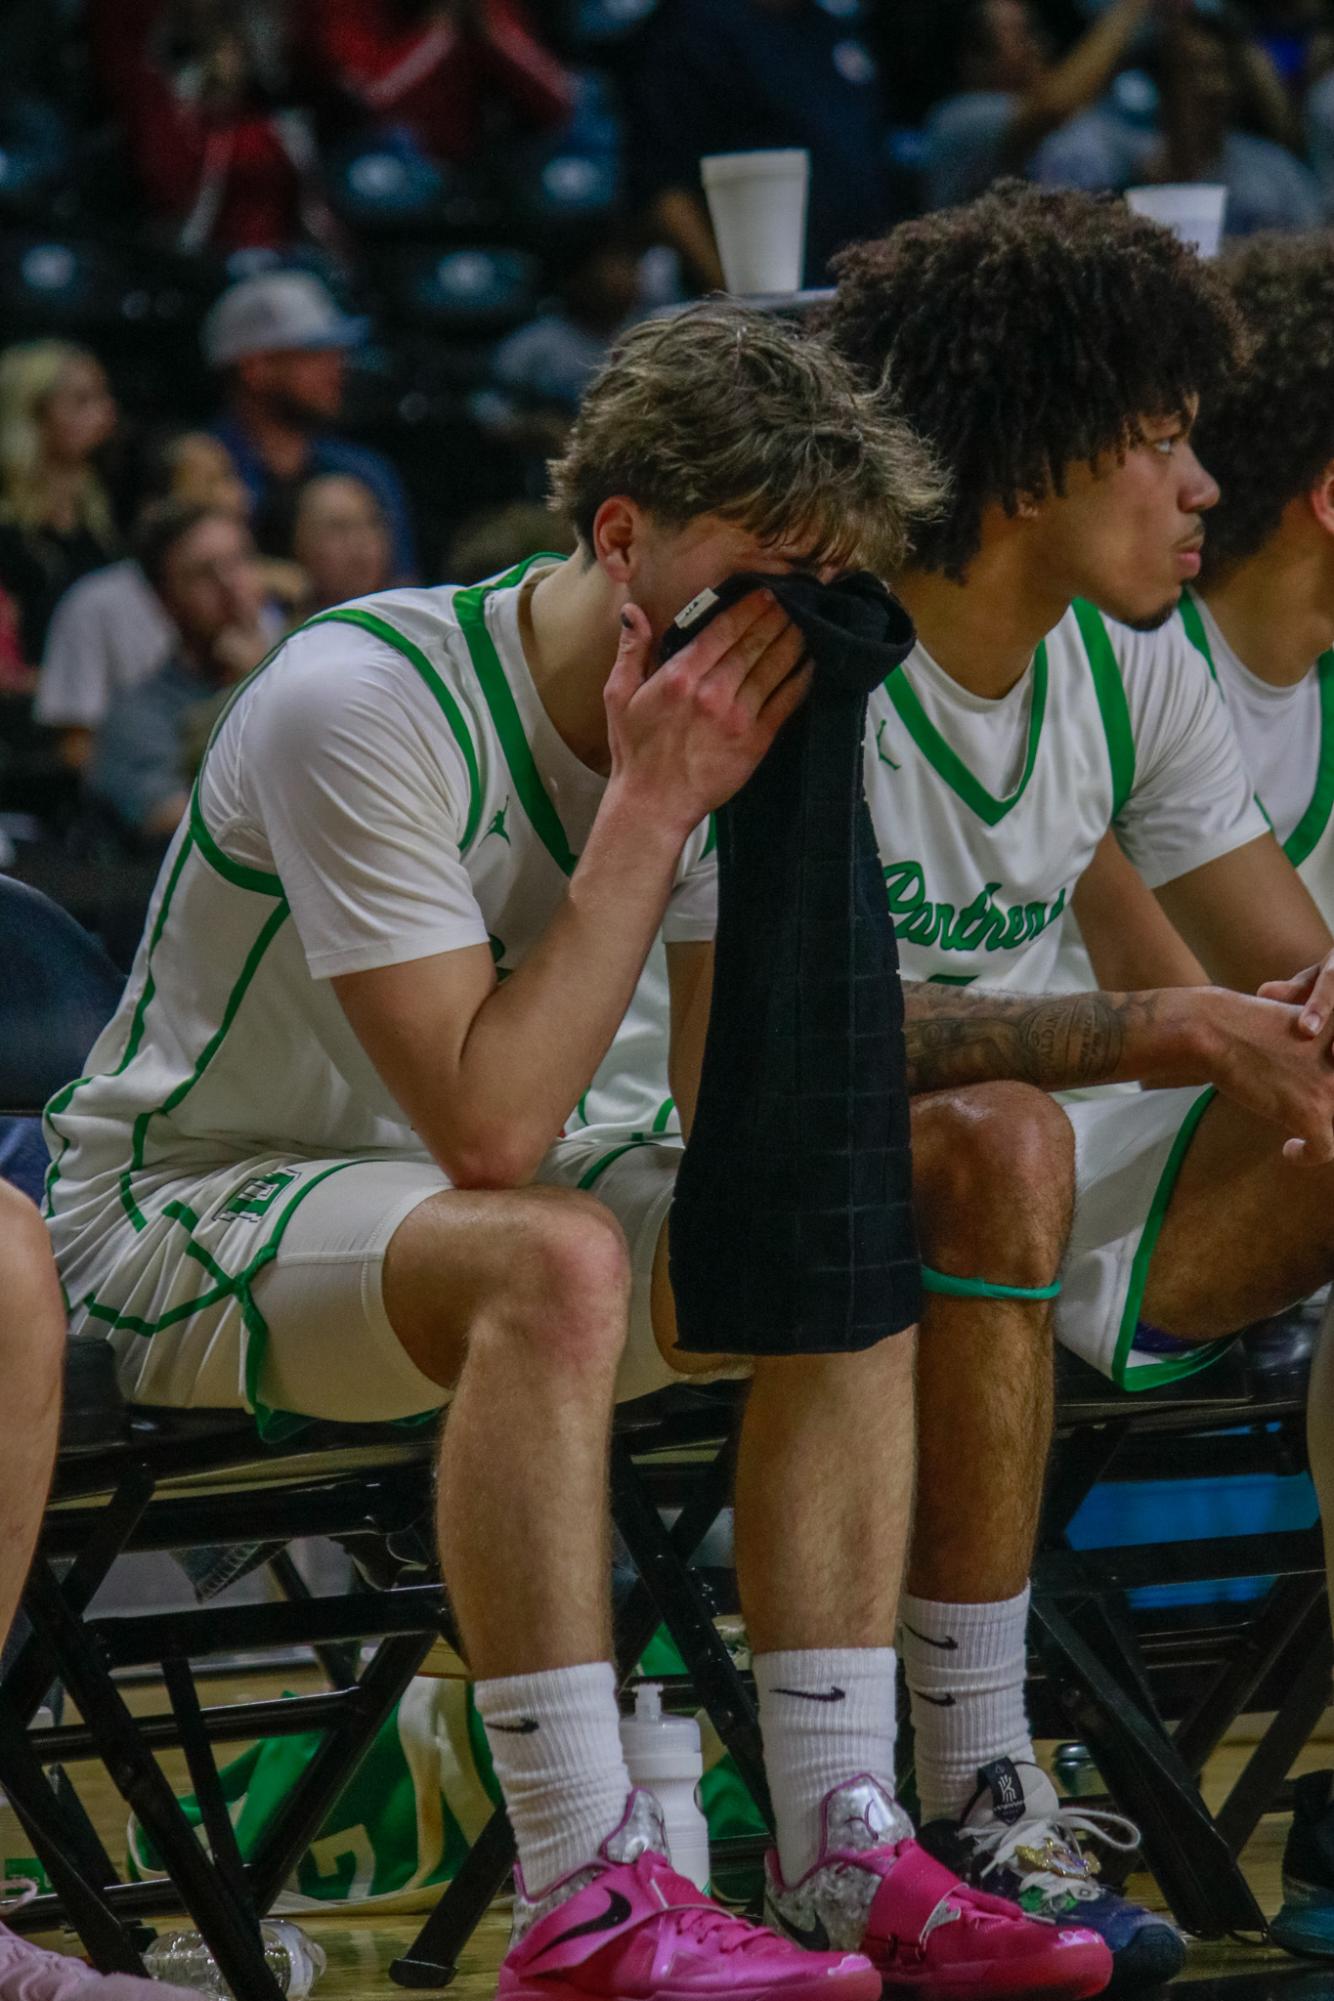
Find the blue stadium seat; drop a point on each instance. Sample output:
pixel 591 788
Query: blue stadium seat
pixel 571 187
pixel 388 187
pixel 56 284
pixel 600 24
pixel 475 291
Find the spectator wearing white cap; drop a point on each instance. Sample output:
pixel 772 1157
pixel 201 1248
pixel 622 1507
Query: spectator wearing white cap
pixel 281 343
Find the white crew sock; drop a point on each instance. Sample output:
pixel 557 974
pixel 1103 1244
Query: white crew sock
pixel 826 1714
pixel 556 1745
pixel 965 1666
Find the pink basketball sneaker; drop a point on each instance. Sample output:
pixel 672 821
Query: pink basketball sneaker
pixel 874 1890
pixel 628 1928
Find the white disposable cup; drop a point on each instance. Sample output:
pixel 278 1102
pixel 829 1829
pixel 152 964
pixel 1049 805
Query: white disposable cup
pixel 1193 210
pixel 758 205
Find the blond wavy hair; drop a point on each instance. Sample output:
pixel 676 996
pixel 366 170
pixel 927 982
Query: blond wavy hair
pixel 728 411
pixel 29 374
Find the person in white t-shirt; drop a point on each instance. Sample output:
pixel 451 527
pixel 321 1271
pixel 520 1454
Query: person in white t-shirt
pixel 1263 621
pixel 315 1167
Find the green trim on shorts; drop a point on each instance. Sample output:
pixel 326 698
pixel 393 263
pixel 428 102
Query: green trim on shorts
pixel 273 1425
pixel 470 610
pixel 1110 691
pixel 662 1118
pixel 599 1167
pixel 1166 1369
pixel 273 924
pixel 949 1287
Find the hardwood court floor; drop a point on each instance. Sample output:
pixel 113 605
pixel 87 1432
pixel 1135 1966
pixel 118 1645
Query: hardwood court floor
pixel 360 1949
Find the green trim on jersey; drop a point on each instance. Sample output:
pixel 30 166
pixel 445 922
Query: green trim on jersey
pixel 470 610
pixel 262 880
pixel 453 714
pixel 237 873
pixel 662 1117
pixel 1315 819
pixel 1148 1374
pixel 1110 690
pixel 945 760
pixel 1193 626
pixel 64 1098
pixel 254 958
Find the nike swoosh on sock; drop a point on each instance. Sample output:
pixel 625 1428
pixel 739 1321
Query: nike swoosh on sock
pixel 523 1728
pixel 945 1646
pixel 936 1701
pixel 814 1694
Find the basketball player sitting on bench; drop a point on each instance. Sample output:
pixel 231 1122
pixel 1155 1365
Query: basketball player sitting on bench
pixel 315 1167
pixel 1052 349
pixel 1263 619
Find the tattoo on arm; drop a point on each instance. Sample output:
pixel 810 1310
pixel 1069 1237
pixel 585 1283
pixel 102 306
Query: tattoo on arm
pixel 955 1036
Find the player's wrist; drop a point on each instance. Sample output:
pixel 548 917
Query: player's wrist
pixel 1199 1032
pixel 643 814
pixel 1179 1035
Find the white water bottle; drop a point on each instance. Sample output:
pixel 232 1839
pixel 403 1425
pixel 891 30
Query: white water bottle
pixel 663 1755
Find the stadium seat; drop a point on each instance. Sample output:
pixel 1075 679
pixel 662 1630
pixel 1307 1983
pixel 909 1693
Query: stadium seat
pixel 471 292
pixel 596 26
pixel 387 189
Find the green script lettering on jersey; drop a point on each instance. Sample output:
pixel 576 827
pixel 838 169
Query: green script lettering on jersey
pixel 982 925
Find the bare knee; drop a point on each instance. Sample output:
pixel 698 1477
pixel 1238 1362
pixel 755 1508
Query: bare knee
pixel 568 1286
pixel 993 1171
pixel 540 1272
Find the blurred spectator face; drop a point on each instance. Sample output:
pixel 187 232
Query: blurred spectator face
pixel 79 414
pixel 210 581
pixel 1008 50
pixel 301 385
pixel 1204 71
pixel 341 540
pixel 202 475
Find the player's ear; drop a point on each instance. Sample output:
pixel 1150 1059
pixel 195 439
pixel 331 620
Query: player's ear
pixel 618 539
pixel 1322 499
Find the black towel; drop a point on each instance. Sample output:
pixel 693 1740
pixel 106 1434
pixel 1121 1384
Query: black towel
pixel 792 1229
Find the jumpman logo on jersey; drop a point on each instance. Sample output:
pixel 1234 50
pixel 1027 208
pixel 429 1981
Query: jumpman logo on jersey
pixel 880 750
pixel 498 826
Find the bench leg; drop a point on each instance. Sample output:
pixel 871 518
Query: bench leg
pixel 1149 1779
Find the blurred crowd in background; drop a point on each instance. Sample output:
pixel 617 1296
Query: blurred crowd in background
pixel 301 294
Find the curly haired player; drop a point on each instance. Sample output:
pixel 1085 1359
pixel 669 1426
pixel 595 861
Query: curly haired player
pixel 1054 349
